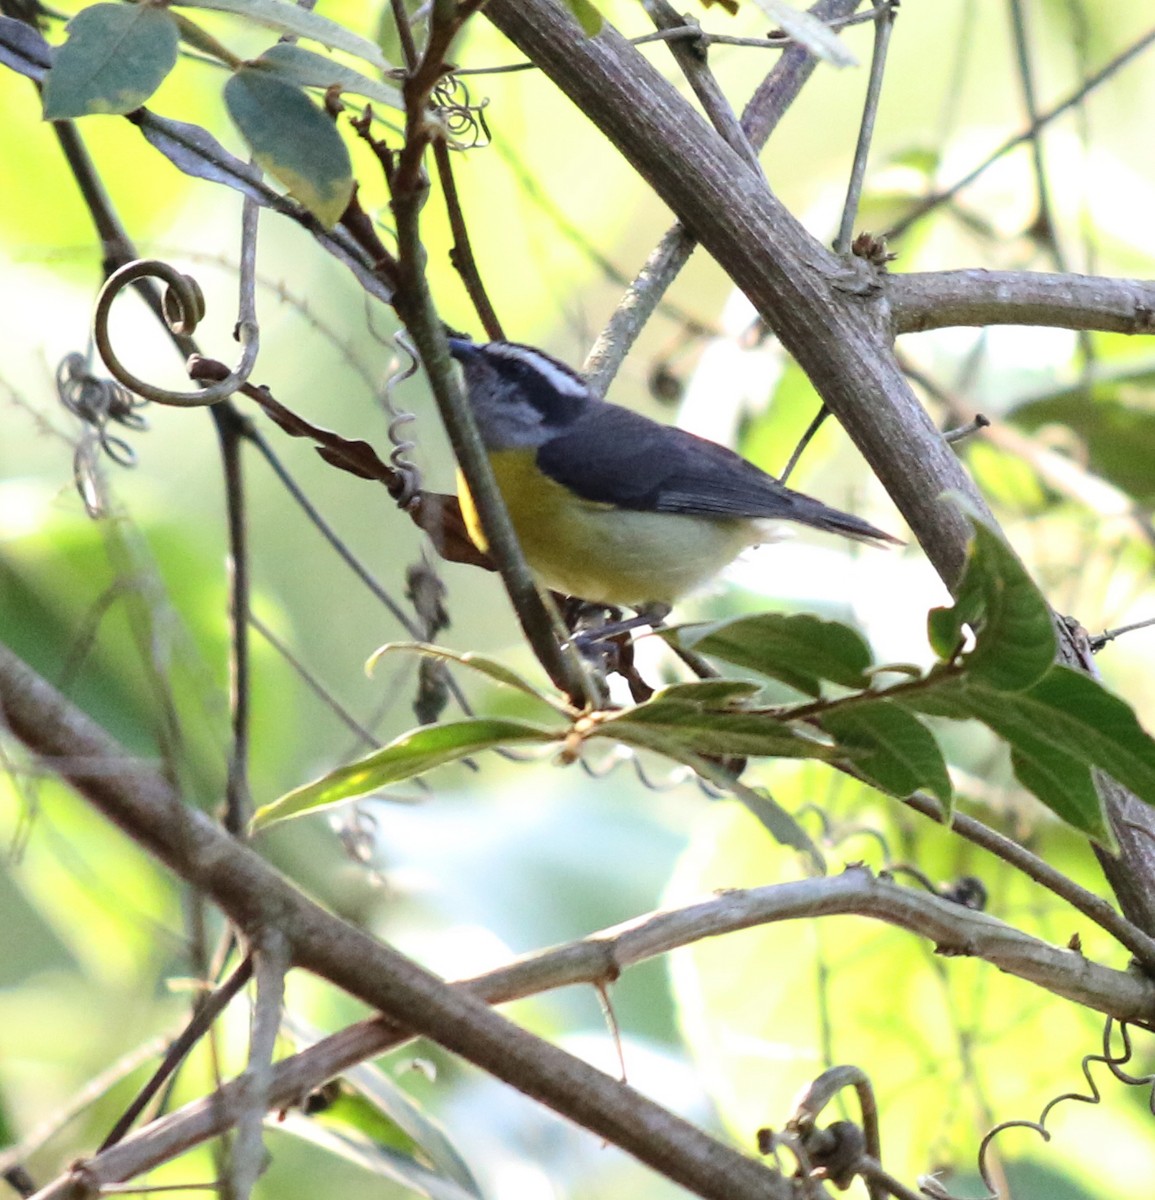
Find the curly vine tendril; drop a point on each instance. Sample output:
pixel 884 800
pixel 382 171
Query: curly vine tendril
pixel 1114 1063
pixel 184 306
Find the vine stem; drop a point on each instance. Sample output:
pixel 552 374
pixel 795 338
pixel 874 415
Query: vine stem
pixel 414 304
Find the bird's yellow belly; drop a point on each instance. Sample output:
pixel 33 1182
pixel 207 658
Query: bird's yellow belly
pixel 604 554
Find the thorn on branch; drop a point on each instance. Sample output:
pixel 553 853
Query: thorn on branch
pixel 965 431
pixel 1109 635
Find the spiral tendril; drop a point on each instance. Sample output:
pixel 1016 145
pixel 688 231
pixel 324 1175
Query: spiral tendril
pixel 97 402
pixel 462 119
pixel 1114 1063
pixel 399 418
pixel 183 306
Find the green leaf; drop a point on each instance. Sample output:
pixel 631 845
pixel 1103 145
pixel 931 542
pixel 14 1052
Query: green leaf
pixel 293 140
pixel 944 626
pixel 488 667
pixel 290 18
pixel 1067 720
pixel 1065 785
pixel 693 722
pixel 374 1157
pixel 797 649
pixel 392 1103
pixel 1075 715
pixel 677 728
pixel 898 754
pixel 587 16
pixel 412 754
pixel 777 822
pixel 115 57
pixel 343 1110
pixel 712 694
pixel 384 1111
pixel 773 817
pixel 944 695
pixel 307 68
pixel 1015 645
pixel 1014 637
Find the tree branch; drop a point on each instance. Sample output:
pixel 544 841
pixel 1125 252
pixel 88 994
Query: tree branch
pixel 248 1157
pixel 256 898
pixel 603 956
pixel 765 108
pixel 936 299
pixel 830 314
pixel 413 303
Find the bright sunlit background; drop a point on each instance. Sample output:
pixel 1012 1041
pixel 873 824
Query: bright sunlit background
pixel 499 859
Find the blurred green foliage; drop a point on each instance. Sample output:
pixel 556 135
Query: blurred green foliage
pixel 128 617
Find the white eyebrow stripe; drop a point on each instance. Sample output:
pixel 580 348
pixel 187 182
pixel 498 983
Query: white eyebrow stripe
pixel 559 377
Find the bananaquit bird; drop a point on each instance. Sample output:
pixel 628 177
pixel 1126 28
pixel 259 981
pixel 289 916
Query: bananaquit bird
pixel 607 504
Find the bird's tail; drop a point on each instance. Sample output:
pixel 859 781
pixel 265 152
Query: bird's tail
pixel 814 513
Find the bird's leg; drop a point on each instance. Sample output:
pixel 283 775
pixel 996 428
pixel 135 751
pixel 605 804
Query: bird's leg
pixel 653 615
pixel 581 616
pixel 602 638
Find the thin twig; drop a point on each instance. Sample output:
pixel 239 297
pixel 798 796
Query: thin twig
pixel 807 437
pixel 238 803
pixel 333 538
pixel 1109 635
pixel 872 1171
pixel 247 1158
pixel 405 34
pixel 310 680
pixel 461 254
pixel 1094 907
pixel 695 33
pixel 782 85
pixel 691 59
pixel 961 432
pixel 206 1012
pixel 120 260
pixel 118 1189
pixel 415 306
pixel 1061 472
pixel 1043 227
pixel 883 26
pixel 764 110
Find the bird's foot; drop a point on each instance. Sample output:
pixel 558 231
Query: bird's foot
pixel 653 615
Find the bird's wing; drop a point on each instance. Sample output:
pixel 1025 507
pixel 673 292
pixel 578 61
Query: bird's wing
pixel 612 455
